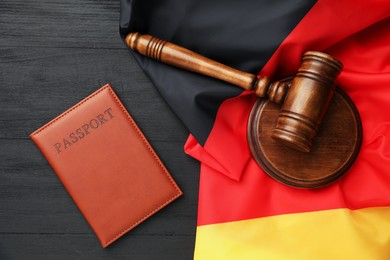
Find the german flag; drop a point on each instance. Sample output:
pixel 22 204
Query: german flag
pixel 243 213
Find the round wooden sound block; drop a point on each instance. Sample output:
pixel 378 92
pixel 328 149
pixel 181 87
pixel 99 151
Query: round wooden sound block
pixel 334 150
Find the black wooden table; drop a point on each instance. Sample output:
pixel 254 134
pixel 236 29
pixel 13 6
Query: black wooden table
pixel 53 53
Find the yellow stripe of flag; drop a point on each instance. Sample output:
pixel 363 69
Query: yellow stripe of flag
pixel 329 235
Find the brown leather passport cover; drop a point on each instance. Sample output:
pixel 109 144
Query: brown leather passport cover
pixel 106 165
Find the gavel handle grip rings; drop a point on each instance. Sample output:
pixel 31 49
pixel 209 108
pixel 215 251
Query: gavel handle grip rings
pixel 305 100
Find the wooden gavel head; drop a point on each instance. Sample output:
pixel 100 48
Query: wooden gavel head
pixel 305 100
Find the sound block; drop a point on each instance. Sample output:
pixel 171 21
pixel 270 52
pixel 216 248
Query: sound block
pixel 334 150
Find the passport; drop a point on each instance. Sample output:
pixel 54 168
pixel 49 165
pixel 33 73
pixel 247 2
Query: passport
pixel 106 164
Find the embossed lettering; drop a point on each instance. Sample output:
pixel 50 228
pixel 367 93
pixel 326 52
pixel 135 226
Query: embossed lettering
pixel 73 137
pixel 108 111
pixel 101 118
pixel 58 146
pixel 94 123
pixel 81 132
pixel 85 127
pixel 67 143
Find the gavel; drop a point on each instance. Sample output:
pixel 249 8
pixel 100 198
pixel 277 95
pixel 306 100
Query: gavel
pixel 304 99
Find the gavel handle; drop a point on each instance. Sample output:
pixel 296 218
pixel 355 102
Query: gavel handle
pixel 177 56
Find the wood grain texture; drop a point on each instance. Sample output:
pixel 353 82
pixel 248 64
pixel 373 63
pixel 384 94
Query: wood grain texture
pixel 186 59
pixel 52 55
pixel 305 100
pixel 335 148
